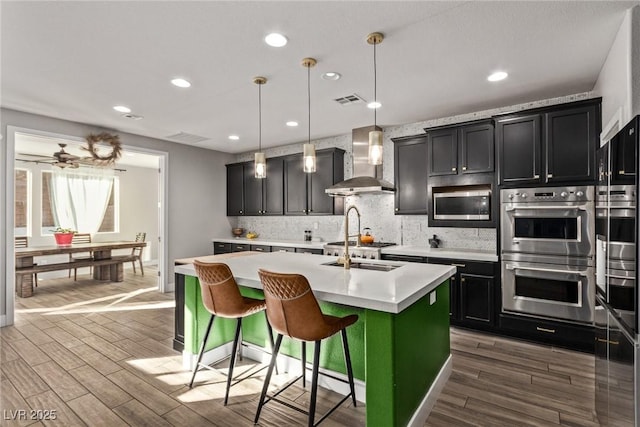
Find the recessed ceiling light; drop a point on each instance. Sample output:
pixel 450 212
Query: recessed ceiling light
pixel 275 40
pixel 331 75
pixel 180 82
pixel 497 76
pixel 374 105
pixel 234 137
pixel 122 109
pixel 292 124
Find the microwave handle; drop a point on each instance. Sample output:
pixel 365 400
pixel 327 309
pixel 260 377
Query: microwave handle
pixel 546 270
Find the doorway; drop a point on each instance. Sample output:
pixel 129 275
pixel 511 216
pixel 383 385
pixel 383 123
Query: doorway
pixel 138 201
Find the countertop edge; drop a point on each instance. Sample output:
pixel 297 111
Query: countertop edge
pixel 270 242
pixel 441 253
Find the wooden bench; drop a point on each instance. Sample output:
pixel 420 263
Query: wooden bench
pixel 103 269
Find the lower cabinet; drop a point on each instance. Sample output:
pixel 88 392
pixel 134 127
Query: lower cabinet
pixel 309 251
pixel 579 337
pixel 472 292
pixel 225 248
pixel 221 248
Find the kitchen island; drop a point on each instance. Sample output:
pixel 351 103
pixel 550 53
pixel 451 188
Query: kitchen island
pixel 399 346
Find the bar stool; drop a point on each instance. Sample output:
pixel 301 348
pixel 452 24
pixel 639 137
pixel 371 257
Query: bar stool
pixel 221 297
pixel 293 310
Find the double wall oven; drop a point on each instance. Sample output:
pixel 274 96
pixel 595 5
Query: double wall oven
pixel 548 252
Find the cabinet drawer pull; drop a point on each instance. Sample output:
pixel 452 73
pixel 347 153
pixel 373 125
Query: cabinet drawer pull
pixel 609 341
pixel 258 249
pixel 551 331
pixel 462 280
pixel 536 176
pixel 459 265
pixel 464 168
pixel 240 211
pixel 620 172
pixel 397 209
pixel 453 169
pixel 549 175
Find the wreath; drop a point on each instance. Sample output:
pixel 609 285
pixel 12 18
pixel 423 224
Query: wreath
pixel 107 138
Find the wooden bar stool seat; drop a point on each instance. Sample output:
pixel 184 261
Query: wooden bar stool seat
pixel 293 310
pixel 221 297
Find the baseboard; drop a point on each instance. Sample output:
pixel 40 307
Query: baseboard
pixel 424 409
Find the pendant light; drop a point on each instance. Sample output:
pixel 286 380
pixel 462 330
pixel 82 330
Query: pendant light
pixel 375 136
pixel 309 150
pixel 260 163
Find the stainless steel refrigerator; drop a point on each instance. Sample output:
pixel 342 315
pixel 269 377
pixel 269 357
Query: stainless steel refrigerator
pixel 617 363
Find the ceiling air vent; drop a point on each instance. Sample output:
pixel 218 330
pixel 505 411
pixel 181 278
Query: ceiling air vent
pixel 132 116
pixel 186 138
pixel 350 100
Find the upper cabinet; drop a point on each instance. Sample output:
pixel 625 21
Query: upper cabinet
pixel 557 145
pixel 235 189
pixel 304 192
pixel 264 196
pixel 410 174
pixel 461 149
pixel 623 154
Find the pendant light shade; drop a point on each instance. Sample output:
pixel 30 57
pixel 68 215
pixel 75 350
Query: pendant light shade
pixel 309 150
pixel 375 136
pixel 260 161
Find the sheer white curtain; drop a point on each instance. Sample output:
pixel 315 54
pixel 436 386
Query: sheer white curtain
pixel 79 197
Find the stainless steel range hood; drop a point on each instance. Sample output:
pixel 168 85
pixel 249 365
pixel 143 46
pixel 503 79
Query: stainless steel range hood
pixel 366 178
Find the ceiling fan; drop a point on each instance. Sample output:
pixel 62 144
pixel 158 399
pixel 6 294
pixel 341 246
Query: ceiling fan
pixel 61 158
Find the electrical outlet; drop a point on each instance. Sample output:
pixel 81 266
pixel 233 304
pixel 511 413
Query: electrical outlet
pixel 316 225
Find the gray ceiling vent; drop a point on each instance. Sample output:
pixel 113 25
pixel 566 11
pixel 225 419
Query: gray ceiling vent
pixel 350 99
pixel 132 116
pixel 186 138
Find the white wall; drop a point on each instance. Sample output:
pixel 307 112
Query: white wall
pixel 618 80
pixel 196 177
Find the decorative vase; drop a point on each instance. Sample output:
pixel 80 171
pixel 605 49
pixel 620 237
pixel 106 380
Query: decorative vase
pixel 63 238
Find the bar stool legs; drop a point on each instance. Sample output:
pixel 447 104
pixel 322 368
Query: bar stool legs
pixel 314 381
pixel 234 351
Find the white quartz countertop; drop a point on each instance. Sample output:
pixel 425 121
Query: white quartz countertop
pixel 388 291
pixel 271 242
pixel 462 254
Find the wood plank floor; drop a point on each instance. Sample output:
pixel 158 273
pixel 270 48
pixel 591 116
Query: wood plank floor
pixel 101 354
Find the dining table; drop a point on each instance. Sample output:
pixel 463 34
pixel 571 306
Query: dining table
pixel 106 266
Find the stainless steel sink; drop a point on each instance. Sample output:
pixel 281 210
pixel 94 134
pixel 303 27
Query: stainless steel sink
pixel 366 266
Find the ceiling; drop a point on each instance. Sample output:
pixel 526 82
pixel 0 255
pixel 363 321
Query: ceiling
pixel 76 60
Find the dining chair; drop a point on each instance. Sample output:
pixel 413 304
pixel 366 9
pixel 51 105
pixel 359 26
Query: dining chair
pixel 80 238
pixel 293 311
pixel 137 253
pixel 23 242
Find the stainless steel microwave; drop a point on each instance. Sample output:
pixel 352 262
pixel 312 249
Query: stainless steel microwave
pixel 462 205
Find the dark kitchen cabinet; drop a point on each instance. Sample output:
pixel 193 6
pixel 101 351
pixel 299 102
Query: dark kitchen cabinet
pixel 623 154
pixel 472 292
pixel 260 248
pixel 222 248
pixel 264 196
pixel 410 174
pixel 235 189
pixel 304 193
pixel 461 149
pixel 240 247
pixel 551 146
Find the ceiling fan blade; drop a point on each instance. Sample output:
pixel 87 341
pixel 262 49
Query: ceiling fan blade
pixel 35 155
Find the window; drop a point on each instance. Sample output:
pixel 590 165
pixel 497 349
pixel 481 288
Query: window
pixel 109 222
pixel 22 196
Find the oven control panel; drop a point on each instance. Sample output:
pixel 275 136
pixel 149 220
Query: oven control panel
pixel 548 194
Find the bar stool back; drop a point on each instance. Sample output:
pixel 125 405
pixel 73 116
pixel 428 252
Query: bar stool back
pixel 293 310
pixel 221 297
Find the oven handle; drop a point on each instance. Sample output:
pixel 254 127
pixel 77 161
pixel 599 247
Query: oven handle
pixel 544 208
pixel 546 270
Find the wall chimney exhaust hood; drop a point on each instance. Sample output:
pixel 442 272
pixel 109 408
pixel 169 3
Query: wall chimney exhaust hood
pixel 366 178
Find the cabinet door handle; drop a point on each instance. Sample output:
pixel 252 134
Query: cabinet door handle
pixel 240 211
pixel 536 176
pixel 453 169
pixel 459 265
pixel 397 209
pixel 549 175
pixel 463 280
pixel 304 210
pixel 464 168
pixel 621 172
pixel 551 331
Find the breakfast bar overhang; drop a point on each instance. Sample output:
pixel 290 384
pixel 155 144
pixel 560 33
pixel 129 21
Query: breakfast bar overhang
pixel 400 345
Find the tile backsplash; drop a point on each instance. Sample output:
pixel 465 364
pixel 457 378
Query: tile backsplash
pixel 377 211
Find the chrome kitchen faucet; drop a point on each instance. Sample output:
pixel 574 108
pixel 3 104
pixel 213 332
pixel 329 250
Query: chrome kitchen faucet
pixel 345 259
